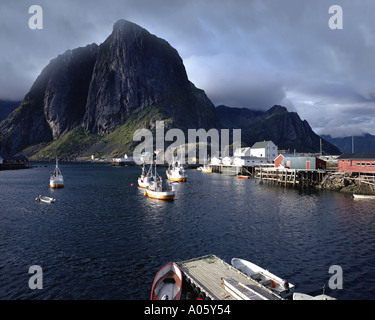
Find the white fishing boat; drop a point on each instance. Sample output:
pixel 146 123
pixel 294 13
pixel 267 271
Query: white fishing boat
pixel 206 168
pixel 56 179
pixel 157 191
pixel 167 283
pixel 145 179
pixel 281 287
pixel 176 172
pixel 363 196
pixel 45 199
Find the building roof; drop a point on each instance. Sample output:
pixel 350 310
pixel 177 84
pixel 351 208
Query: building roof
pixel 260 145
pixel 292 155
pixel 357 156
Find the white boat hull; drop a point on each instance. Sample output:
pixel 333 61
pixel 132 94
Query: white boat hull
pixel 45 199
pixel 363 196
pixel 161 195
pixel 144 182
pixel 56 182
pixel 175 176
pixel 167 283
pixel 264 277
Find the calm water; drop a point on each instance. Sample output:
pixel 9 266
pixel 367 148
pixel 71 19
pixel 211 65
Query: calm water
pixel 103 239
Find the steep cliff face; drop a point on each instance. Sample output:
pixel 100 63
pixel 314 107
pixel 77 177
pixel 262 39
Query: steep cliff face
pixel 285 129
pixel 133 76
pixel 136 70
pixel 55 103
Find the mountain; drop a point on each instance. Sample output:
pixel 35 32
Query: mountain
pixel 92 99
pixel 6 108
pixel 284 128
pixel 362 144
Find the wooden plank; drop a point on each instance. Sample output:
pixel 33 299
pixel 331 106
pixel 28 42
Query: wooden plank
pixel 207 273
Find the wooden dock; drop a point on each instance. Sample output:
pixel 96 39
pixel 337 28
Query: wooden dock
pixel 218 280
pixel 294 177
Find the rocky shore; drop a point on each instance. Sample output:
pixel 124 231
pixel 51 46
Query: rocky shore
pixel 345 183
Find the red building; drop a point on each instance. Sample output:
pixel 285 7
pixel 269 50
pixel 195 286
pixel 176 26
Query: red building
pixel 357 162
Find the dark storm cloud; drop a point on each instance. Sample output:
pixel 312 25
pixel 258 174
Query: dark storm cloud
pixel 250 53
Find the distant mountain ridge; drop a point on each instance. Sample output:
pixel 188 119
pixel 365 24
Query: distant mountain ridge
pixel 284 128
pixel 362 144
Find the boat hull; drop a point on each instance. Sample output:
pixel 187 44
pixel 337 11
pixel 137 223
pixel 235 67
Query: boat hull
pixel 167 283
pixel 263 276
pixel 145 182
pixel 363 196
pixel 178 179
pixel 207 170
pixel 161 195
pixel 56 186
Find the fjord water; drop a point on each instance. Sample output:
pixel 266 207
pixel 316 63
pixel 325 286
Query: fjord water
pixel 102 239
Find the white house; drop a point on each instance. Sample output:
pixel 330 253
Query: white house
pixel 215 161
pixel 249 161
pixel 242 152
pixel 264 149
pixel 227 161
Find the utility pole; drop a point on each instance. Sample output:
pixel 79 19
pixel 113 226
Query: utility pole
pixel 321 150
pixel 352 144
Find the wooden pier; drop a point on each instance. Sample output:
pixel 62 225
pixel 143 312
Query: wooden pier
pixel 293 177
pixel 217 280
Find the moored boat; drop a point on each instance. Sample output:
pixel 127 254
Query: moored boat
pixel 56 179
pixel 45 199
pixel 156 190
pixel 167 283
pixel 206 168
pixel 176 172
pixel 279 286
pixel 363 196
pixel 243 177
pixel 145 179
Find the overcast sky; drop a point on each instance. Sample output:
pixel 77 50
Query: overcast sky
pixel 243 53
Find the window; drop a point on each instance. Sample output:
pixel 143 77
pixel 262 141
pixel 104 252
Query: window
pixel 368 164
pixel 363 164
pixel 373 164
pixel 358 164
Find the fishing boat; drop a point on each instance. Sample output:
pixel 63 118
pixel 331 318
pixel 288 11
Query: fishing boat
pixel 167 283
pixel 206 168
pixel 45 199
pixel 56 179
pixel 145 179
pixel 176 172
pixel 363 196
pixel 156 190
pixel 242 177
pixel 279 286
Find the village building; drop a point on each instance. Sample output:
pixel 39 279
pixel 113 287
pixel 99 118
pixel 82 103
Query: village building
pixel 216 161
pixel 264 149
pixel 295 161
pixel 242 152
pixel 357 162
pixel 250 161
pixel 227 161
